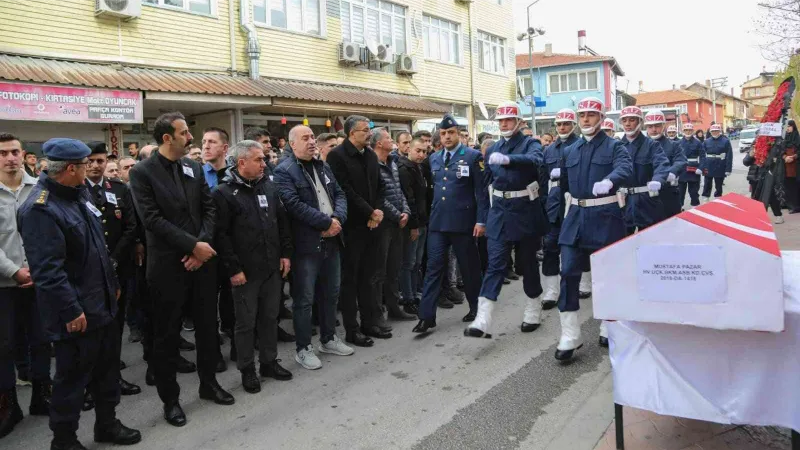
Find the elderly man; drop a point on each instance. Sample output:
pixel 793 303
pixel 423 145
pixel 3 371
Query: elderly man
pixel 112 171
pixel 146 151
pixel 18 309
pixel 255 250
pixel 356 168
pixel 77 291
pixel 125 166
pixel 318 208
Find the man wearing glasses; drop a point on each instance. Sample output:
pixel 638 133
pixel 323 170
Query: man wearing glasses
pixel 77 292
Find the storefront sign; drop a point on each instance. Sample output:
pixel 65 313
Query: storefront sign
pixel 20 101
pixel 113 139
pixel 488 126
pixel 681 273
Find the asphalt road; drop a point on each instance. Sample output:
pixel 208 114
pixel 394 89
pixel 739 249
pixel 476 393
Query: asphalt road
pixel 443 391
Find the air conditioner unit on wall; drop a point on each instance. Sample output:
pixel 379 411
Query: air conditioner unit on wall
pixel 349 53
pixel 381 54
pixel 126 9
pixel 406 64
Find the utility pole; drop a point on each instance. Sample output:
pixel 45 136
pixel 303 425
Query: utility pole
pixel 531 32
pixel 716 83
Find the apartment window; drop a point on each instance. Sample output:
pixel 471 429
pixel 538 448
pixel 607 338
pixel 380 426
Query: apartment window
pixel 295 15
pixel 492 53
pixel 374 21
pixel 197 6
pixel 526 85
pixel 441 40
pixel 682 108
pixel 573 82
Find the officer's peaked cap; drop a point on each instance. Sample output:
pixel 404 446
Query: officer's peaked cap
pixel 63 149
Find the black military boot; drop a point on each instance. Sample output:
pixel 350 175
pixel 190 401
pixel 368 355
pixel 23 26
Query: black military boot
pixel 10 412
pixel 40 398
pixel 116 433
pixel 250 381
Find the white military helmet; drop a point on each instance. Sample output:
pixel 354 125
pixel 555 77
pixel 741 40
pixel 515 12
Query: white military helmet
pixel 609 124
pixel 631 111
pixel 654 117
pixel 688 126
pixel 672 129
pixel 590 104
pixel 507 110
pixel 566 115
pixel 716 127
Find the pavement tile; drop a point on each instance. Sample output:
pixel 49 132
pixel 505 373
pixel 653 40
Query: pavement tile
pixel 674 435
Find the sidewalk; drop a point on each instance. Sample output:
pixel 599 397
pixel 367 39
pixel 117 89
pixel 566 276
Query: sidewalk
pixel 645 430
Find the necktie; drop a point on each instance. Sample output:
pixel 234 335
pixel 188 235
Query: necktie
pixel 446 158
pixel 177 177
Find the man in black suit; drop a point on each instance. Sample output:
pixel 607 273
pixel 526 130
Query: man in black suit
pixel 175 206
pixel 355 167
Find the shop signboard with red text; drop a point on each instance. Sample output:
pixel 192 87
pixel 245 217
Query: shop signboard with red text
pixel 21 101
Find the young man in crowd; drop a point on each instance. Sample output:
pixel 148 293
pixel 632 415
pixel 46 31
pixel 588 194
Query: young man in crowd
pixel 415 233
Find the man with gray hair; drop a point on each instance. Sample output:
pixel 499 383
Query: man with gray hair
pixel 254 246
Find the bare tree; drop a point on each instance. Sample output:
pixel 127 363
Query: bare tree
pixel 779 26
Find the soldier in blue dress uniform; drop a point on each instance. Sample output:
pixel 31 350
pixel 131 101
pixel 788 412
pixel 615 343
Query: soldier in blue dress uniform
pixel 566 119
pixel 516 216
pixel 655 121
pixel 458 216
pixel 643 206
pixel 719 162
pixel 592 170
pixel 695 161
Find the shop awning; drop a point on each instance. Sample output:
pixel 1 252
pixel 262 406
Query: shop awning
pixel 116 76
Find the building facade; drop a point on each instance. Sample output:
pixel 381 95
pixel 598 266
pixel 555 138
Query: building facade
pixel 759 91
pixel 691 107
pixel 735 108
pixel 242 63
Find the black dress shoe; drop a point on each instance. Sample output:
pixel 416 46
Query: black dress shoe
pixel 511 275
pixel 173 413
pixel 222 366
pixel 528 327
pixel 250 381
pixel 285 336
pixel 274 370
pixel 71 445
pixel 117 433
pixel 424 326
pixel 455 296
pixel 126 388
pixel 122 365
pixel 188 324
pixel 444 302
pixel 185 346
pixel 150 376
pixel 506 281
pixel 211 390
pixel 397 313
pixel 584 295
pixel 474 332
pixel 376 332
pixel 384 325
pixel 603 341
pixel 358 339
pixel 548 304
pixel 10 412
pixel 411 308
pixel 470 316
pixel 566 355
pixel 41 394
pixel 88 401
pixel 183 365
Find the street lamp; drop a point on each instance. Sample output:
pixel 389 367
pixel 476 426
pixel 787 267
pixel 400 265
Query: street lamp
pixel 530 33
pixel 715 84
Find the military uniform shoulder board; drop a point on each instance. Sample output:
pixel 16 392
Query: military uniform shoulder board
pixel 42 198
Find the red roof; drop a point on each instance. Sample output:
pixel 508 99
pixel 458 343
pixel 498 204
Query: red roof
pixel 561 59
pixel 665 97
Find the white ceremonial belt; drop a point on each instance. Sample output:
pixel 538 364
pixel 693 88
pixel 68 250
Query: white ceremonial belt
pixel 553 183
pixel 722 156
pixel 594 201
pixel 511 194
pixel 693 160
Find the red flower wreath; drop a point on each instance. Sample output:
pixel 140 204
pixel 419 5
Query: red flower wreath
pixel 777 108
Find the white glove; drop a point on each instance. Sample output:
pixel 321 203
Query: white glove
pixel 727 174
pixel 555 174
pixel 698 171
pixel 499 158
pixel 671 177
pixel 602 187
pixel 654 186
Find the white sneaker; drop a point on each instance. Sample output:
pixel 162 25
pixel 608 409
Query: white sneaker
pixel 778 220
pixel 335 347
pixel 308 359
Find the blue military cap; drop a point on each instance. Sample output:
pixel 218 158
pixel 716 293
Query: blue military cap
pixel 448 121
pixel 63 149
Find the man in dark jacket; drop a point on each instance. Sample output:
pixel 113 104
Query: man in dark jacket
pixel 318 208
pixel 397 212
pixel 416 191
pixel 356 169
pixel 255 248
pixel 77 291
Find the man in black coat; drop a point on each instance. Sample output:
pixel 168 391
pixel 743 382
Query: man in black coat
pixel 355 167
pixel 175 206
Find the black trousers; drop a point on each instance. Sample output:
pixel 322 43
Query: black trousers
pixel 170 291
pixel 86 360
pixel 693 187
pixel 227 315
pixel 359 266
pixel 717 186
pixel 790 187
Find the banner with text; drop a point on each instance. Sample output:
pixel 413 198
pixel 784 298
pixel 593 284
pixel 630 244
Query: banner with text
pixel 19 101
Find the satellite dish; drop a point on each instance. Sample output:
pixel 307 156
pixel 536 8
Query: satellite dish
pixel 373 47
pixel 484 112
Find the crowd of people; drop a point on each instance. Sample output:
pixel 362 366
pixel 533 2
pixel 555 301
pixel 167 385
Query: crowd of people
pixel 377 227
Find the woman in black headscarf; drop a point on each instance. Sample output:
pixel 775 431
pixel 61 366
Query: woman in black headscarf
pixel 792 143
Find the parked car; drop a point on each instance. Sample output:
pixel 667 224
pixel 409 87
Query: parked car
pixel 746 139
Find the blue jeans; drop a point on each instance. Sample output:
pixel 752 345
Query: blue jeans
pixel 410 275
pixel 310 270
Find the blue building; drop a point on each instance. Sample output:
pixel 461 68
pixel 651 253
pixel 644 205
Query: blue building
pixel 561 81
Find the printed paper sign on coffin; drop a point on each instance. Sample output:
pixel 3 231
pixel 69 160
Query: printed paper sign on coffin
pixel 715 266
